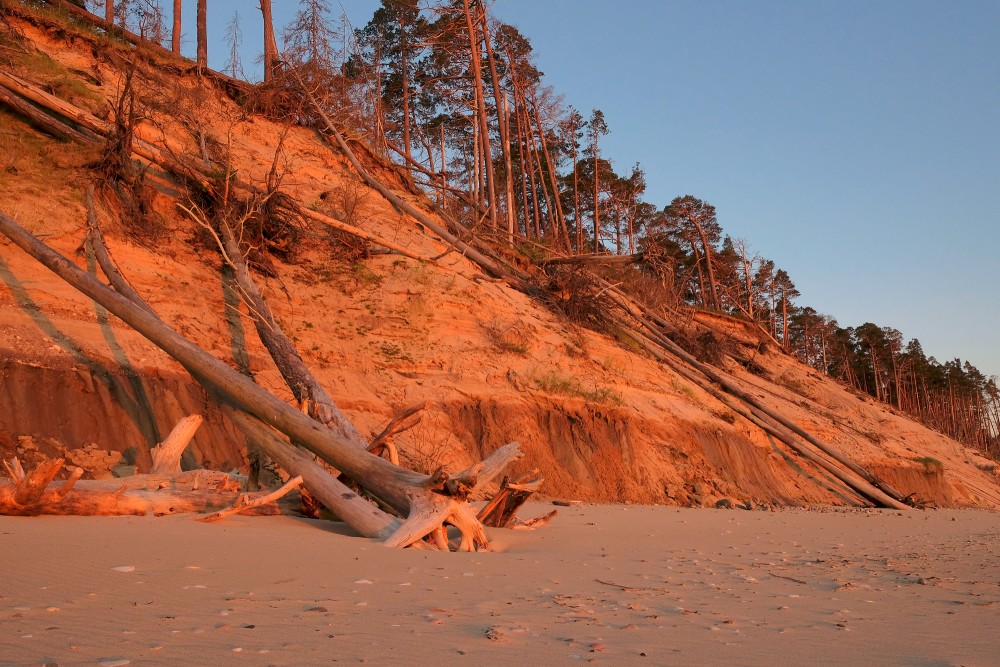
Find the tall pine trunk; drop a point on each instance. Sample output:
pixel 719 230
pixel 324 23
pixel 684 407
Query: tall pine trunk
pixel 270 44
pixel 175 33
pixel 486 152
pixel 202 33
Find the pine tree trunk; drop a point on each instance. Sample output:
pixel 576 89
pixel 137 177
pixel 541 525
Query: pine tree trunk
pixel 500 100
pixel 175 33
pixel 486 153
pixel 404 64
pixel 203 33
pixel 270 44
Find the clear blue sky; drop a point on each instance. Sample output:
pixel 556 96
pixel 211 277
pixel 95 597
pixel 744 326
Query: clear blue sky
pixel 855 143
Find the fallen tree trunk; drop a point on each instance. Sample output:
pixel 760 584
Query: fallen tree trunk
pixel 426 501
pixel 172 164
pixel 40 119
pixel 764 422
pixel 651 327
pixel 35 493
pixel 601 259
pixel 303 384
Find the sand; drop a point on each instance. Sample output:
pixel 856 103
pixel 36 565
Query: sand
pixel 609 584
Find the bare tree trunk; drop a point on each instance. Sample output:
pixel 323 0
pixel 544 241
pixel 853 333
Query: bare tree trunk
pixel 597 193
pixel 270 44
pixel 175 34
pixel 707 248
pixel 109 11
pixel 480 113
pixel 500 99
pixel 299 379
pixel 203 33
pixel 404 64
pixel 557 212
pixel 576 191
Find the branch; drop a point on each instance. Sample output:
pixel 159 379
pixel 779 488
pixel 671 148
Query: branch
pixel 248 501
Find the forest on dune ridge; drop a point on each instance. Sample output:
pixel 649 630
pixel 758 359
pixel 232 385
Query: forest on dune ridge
pixel 453 96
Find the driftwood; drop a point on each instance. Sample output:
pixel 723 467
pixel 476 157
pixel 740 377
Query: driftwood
pixel 427 502
pixel 167 455
pixel 405 420
pixel 164 490
pixel 249 501
pixel 501 511
pixel 35 493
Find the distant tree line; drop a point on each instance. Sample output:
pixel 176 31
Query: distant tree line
pixel 454 95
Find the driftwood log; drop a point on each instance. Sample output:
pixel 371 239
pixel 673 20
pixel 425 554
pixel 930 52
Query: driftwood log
pixel 164 490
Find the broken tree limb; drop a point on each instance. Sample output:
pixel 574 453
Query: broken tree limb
pixel 404 421
pixel 167 455
pixel 501 511
pixel 537 522
pixel 248 501
pixel 30 486
pixel 341 226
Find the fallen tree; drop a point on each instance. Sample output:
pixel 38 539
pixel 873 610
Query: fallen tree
pixel 166 489
pixel 426 502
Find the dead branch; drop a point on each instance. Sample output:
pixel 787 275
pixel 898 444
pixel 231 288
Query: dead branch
pixel 248 501
pixel 404 421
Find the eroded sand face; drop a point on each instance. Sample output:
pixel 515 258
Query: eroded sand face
pixel 610 584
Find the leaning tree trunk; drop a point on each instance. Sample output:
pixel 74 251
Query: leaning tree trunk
pixel 426 501
pixel 304 386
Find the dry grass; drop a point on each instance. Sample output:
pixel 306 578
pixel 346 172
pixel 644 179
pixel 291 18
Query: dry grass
pixel 506 337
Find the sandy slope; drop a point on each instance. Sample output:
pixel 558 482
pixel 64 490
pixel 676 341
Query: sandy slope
pixel 611 584
pixel 382 332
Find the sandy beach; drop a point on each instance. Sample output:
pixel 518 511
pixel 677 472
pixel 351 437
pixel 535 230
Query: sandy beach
pixel 611 584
